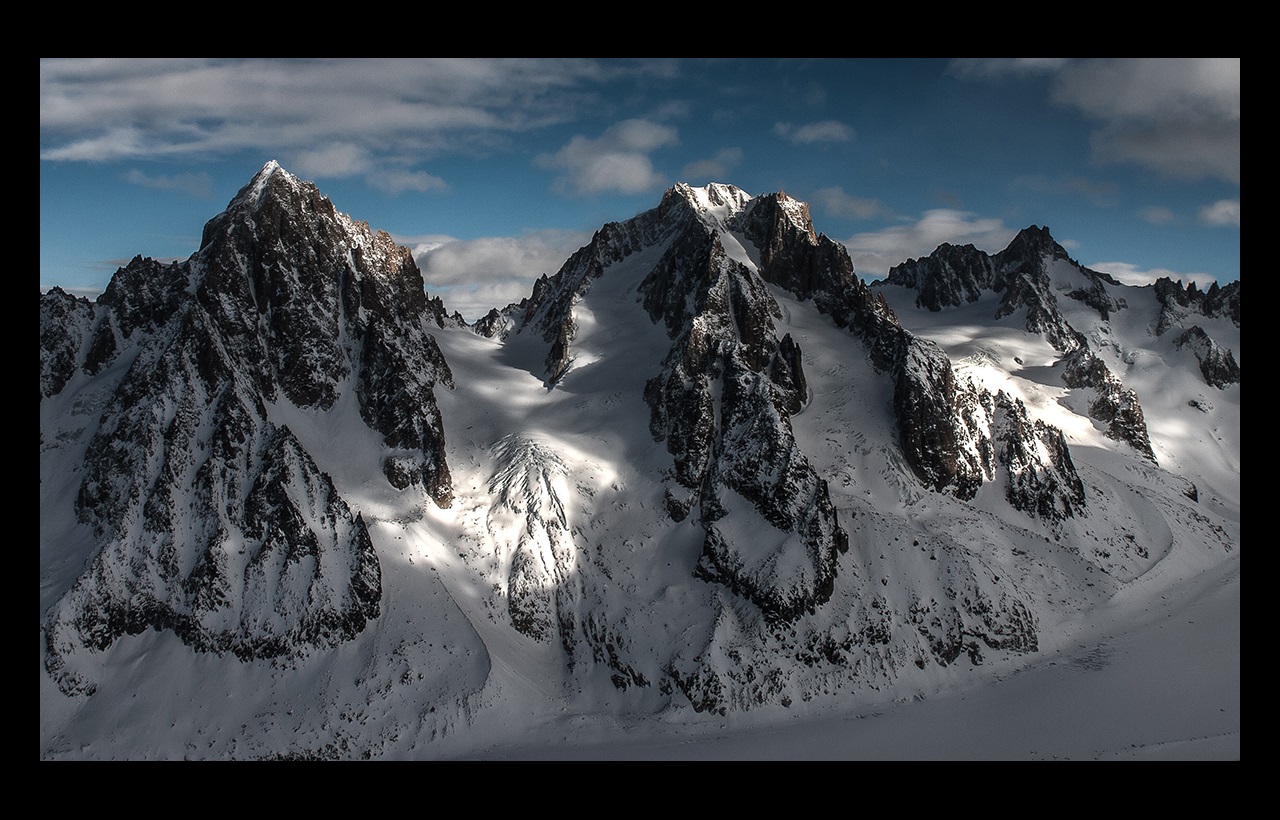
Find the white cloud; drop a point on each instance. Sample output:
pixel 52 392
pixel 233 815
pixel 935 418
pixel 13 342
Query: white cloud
pixel 835 202
pixel 125 142
pixel 199 185
pixel 873 253
pixel 330 117
pixel 1224 212
pixel 474 275
pixel 397 181
pixel 1133 275
pixel 1156 215
pixel 341 159
pixel 197 105
pixel 618 160
pixel 715 169
pixel 1100 192
pixel 346 159
pixel 824 131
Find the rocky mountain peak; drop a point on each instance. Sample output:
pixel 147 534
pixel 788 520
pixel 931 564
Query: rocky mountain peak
pixel 950 276
pixel 271 180
pixel 1032 242
pixel 716 198
pixel 789 209
pixel 1217 364
pixel 286 302
pixel 1178 304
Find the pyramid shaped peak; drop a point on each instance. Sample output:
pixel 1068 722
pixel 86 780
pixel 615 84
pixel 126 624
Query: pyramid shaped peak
pixel 1035 235
pixel 272 178
pixel 1035 239
pixel 271 167
pixel 275 191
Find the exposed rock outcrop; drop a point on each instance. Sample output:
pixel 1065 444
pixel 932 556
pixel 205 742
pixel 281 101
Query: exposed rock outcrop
pixel 1178 304
pixel 1217 364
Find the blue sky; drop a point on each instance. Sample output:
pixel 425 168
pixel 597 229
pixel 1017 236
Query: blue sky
pixel 494 171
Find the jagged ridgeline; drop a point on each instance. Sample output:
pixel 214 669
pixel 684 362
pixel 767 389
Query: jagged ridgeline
pixel 213 520
pixel 803 496
pixel 1020 277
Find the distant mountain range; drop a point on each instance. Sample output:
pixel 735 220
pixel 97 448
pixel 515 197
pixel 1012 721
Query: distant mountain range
pixel 703 467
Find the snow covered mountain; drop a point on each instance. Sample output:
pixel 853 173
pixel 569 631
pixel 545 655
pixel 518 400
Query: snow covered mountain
pixel 298 510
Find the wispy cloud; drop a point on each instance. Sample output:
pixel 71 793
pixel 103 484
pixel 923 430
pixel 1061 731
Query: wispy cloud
pixel 715 169
pixel 1099 192
pixel 998 67
pixel 873 253
pixel 398 180
pixel 199 185
pixel 329 117
pixel 1157 215
pixel 814 132
pixel 835 202
pixel 339 159
pixel 617 160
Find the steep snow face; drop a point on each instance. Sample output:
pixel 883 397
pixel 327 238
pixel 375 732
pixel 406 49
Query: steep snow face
pixel 717 201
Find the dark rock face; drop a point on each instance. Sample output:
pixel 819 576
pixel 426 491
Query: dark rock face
pixel 925 400
pixel 1217 364
pixel 491 324
pixel 1021 273
pixel 1095 294
pixel 954 275
pixel 298 289
pixel 724 393
pixel 730 340
pixel 974 613
pixel 145 294
pixel 792 256
pixel 1049 491
pixel 1112 405
pixel 949 277
pixel 1178 304
pixel 957 436
pixel 65 322
pixel 213 521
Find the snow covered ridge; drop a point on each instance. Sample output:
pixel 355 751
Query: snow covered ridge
pixel 702 468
